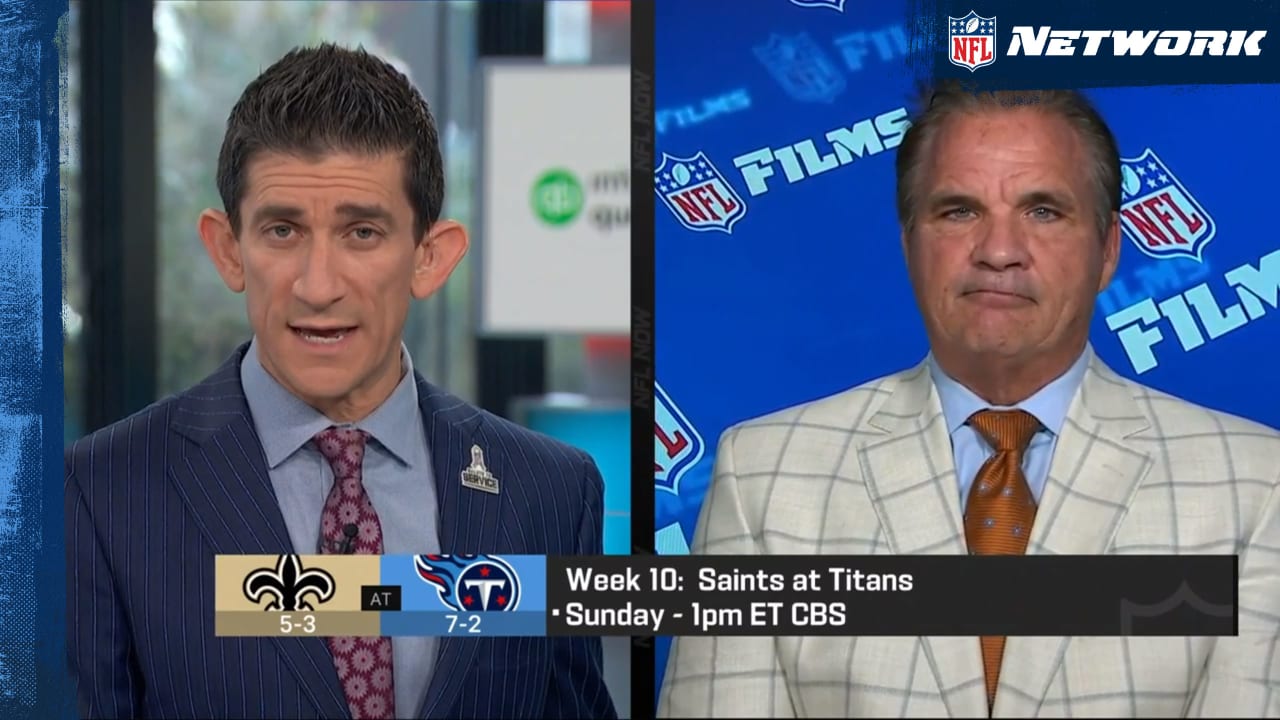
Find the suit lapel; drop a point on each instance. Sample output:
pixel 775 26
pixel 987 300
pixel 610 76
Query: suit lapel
pixel 221 476
pixel 910 473
pixel 468 517
pixel 470 520
pixel 1092 481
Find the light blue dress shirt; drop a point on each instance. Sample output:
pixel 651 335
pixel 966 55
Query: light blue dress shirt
pixel 971 450
pixel 396 474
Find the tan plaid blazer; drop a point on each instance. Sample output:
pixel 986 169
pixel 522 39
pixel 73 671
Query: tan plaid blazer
pixel 870 471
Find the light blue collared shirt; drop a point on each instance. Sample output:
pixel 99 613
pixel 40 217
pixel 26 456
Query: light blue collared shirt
pixel 971 450
pixel 396 474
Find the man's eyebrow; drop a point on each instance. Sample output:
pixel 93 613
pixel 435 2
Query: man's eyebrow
pixel 1046 197
pixel 348 211
pixel 357 211
pixel 276 212
pixel 948 198
pixel 1027 199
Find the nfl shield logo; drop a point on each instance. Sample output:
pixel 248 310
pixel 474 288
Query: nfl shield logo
pixel 971 41
pixel 800 66
pixel 837 5
pixel 677 446
pixel 1157 212
pixel 697 194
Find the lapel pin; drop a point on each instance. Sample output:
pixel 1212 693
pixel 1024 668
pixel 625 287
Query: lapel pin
pixel 477 476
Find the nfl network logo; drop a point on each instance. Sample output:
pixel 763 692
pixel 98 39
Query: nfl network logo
pixel 837 5
pixel 801 68
pixel 1157 212
pixel 697 194
pixel 971 41
pixel 677 446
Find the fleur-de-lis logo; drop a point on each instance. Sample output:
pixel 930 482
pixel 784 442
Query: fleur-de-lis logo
pixel 289 585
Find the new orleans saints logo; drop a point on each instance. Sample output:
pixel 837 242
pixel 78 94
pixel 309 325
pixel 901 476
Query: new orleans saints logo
pixel 289 585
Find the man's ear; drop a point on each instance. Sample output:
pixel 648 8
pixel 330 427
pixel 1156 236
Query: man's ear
pixel 437 255
pixel 1110 252
pixel 223 248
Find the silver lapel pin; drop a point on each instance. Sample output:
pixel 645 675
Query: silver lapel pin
pixel 477 476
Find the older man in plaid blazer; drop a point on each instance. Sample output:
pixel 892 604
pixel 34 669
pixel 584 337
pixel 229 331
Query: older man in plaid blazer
pixel 1010 229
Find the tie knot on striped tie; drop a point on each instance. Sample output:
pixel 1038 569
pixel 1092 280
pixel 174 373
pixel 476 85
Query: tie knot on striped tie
pixel 1005 430
pixel 343 447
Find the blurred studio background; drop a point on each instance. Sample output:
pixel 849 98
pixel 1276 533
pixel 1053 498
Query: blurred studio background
pixel 532 102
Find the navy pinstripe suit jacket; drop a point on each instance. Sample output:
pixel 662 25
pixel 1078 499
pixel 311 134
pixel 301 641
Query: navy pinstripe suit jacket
pixel 151 499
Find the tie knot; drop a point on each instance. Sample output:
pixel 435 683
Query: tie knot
pixel 1006 430
pixel 343 447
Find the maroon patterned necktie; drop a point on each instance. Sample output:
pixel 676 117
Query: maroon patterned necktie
pixel 363 663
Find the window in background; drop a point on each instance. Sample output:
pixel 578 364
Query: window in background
pixel 568 41
pixel 443 329
pixel 74 289
pixel 577 32
pixel 205 55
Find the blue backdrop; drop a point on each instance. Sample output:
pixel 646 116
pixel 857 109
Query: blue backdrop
pixel 780 276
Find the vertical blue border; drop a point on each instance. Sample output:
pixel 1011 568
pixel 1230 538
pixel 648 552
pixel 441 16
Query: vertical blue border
pixel 33 676
pixel 55 693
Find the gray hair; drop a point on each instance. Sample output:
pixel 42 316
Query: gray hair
pixel 952 98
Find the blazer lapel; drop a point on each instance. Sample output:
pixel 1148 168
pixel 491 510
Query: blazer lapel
pixel 910 473
pixel 1093 477
pixel 470 520
pixel 221 476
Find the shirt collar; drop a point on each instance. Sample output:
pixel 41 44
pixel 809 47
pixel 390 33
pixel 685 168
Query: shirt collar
pixel 286 423
pixel 1049 405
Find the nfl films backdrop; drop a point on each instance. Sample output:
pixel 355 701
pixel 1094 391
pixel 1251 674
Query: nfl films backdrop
pixel 780 277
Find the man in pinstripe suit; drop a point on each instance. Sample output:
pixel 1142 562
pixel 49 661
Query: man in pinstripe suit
pixel 332 181
pixel 1009 206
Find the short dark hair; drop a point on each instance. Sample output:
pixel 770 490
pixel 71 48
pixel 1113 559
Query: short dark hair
pixel 949 98
pixel 324 99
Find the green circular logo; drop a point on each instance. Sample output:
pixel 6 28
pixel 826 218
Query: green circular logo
pixel 557 197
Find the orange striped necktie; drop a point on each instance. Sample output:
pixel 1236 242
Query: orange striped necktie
pixel 1001 508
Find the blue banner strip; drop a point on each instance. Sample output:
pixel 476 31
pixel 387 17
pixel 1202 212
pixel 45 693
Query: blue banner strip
pixel 33 675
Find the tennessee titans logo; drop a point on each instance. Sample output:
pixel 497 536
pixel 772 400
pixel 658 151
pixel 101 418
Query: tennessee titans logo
pixel 677 445
pixel 471 583
pixel 837 5
pixel 971 41
pixel 289 585
pixel 1158 214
